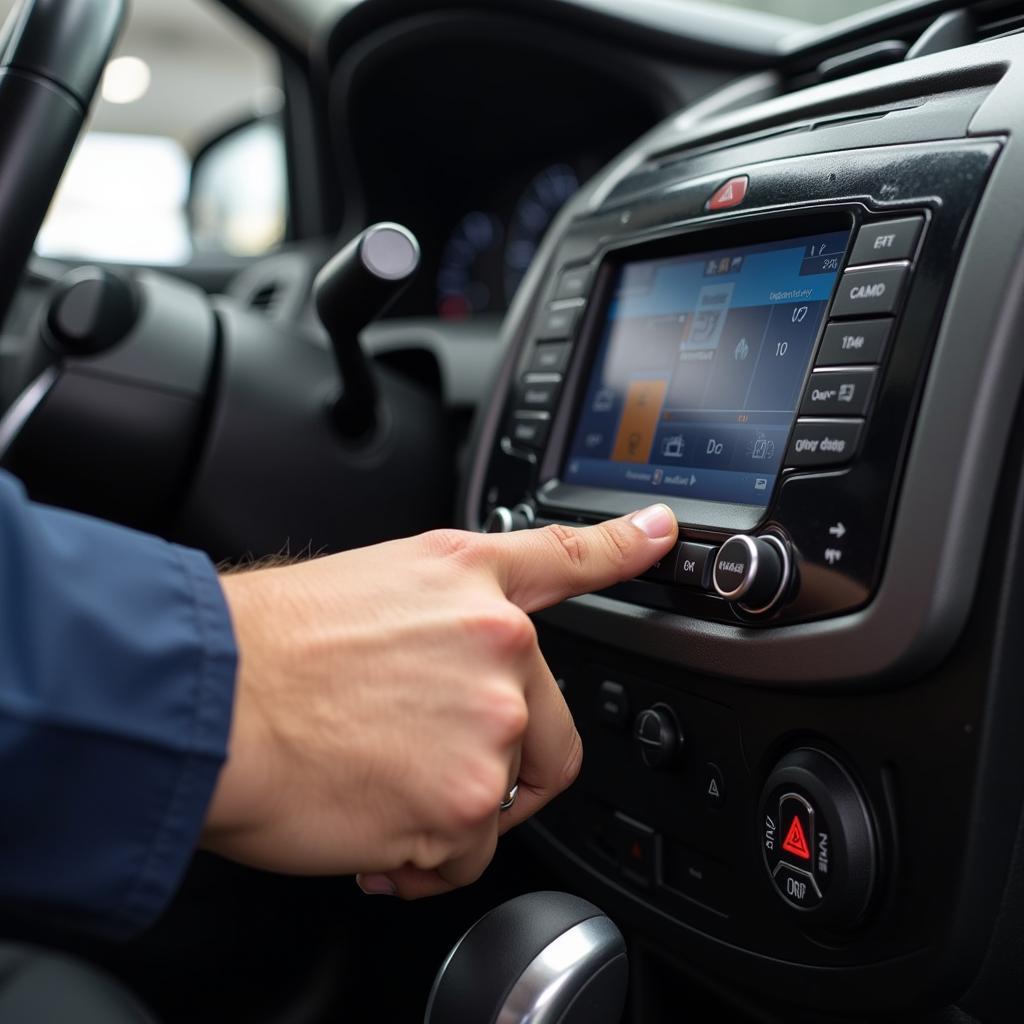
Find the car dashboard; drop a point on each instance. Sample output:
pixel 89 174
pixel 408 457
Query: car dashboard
pixel 769 275
pixel 793 323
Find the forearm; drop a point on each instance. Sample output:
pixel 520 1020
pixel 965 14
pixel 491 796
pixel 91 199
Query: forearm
pixel 116 687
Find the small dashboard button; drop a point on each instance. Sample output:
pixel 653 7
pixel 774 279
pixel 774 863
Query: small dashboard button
pixel 838 392
pixel 573 283
pixel 613 704
pixel 550 357
pixel 539 394
pixel 731 194
pixel 692 565
pixel 713 785
pixel 887 240
pixel 658 736
pixel 530 430
pixel 559 322
pixel 870 290
pixel 798 888
pixel 639 851
pixel 854 341
pixel 823 442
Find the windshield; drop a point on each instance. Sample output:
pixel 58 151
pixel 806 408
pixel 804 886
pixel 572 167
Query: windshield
pixel 820 11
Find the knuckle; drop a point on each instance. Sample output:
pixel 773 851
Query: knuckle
pixel 506 629
pixel 449 543
pixel 616 540
pixel 429 852
pixel 508 713
pixel 568 544
pixel 476 797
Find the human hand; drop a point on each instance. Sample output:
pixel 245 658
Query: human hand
pixel 388 698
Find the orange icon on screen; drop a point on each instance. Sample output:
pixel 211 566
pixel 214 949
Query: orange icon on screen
pixel 796 841
pixel 640 414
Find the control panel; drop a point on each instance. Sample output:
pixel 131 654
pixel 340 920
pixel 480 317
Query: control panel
pixel 757 371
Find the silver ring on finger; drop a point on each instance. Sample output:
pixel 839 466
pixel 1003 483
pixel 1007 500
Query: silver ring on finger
pixel 510 799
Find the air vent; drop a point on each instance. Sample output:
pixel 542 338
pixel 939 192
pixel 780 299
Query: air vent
pixel 264 299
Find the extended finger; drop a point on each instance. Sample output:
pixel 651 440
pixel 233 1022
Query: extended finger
pixel 539 568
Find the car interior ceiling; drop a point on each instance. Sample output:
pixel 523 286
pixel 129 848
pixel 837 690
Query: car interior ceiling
pixel 769 273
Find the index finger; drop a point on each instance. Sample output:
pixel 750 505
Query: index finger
pixel 540 568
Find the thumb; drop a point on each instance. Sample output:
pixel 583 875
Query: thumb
pixel 539 568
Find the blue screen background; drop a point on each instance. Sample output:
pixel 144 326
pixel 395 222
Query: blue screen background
pixel 699 371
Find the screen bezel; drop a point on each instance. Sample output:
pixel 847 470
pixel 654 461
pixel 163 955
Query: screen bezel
pixel 552 492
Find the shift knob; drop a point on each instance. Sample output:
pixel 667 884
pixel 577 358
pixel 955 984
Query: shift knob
pixel 545 958
pixel 351 291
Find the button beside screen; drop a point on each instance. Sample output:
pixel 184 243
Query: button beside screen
pixel 887 240
pixel 531 430
pixel 825 442
pixel 560 322
pixel 854 341
pixel 573 283
pixel 540 395
pixel 869 290
pixel 838 392
pixel 550 357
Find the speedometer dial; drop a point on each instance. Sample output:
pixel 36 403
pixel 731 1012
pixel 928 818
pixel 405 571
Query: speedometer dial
pixel 469 266
pixel 536 209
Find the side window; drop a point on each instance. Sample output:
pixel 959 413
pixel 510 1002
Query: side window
pixel 185 73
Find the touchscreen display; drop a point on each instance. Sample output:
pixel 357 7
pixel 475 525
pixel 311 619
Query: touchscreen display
pixel 697 377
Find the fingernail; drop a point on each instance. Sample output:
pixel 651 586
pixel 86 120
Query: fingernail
pixel 657 522
pixel 376 885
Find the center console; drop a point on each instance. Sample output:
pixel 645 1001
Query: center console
pixel 797 332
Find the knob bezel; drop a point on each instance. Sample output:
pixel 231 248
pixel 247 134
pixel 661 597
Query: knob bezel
pixel 736 595
pixel 785 576
pixel 753 565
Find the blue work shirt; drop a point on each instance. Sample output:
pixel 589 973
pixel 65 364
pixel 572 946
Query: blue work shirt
pixel 117 668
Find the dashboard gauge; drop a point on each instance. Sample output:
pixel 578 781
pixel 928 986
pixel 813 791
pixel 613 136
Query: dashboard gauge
pixel 469 267
pixel 536 209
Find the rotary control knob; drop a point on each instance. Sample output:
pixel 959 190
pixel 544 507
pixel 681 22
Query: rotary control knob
pixel 91 310
pixel 817 839
pixel 753 572
pixel 507 520
pixel 658 736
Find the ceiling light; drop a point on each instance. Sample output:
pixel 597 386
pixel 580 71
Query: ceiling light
pixel 126 80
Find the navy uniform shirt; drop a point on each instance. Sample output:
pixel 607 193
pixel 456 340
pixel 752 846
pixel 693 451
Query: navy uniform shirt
pixel 117 667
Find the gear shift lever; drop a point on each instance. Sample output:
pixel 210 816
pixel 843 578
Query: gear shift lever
pixel 545 958
pixel 351 291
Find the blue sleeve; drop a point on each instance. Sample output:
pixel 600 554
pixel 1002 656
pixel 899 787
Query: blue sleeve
pixel 117 667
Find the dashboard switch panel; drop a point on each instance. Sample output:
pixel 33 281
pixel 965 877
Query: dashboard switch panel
pixel 817 839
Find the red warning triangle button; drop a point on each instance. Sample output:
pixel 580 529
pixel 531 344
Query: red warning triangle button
pixel 732 193
pixel 796 841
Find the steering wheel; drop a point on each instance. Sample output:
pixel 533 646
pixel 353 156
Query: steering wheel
pixel 52 56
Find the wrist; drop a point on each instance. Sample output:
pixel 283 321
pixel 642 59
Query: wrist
pixel 244 778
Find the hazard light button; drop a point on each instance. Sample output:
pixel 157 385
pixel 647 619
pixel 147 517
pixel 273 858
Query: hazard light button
pixel 731 194
pixel 796 816
pixel 817 840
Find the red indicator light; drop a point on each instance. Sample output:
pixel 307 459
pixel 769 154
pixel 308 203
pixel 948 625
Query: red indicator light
pixel 796 841
pixel 732 193
pixel 636 852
